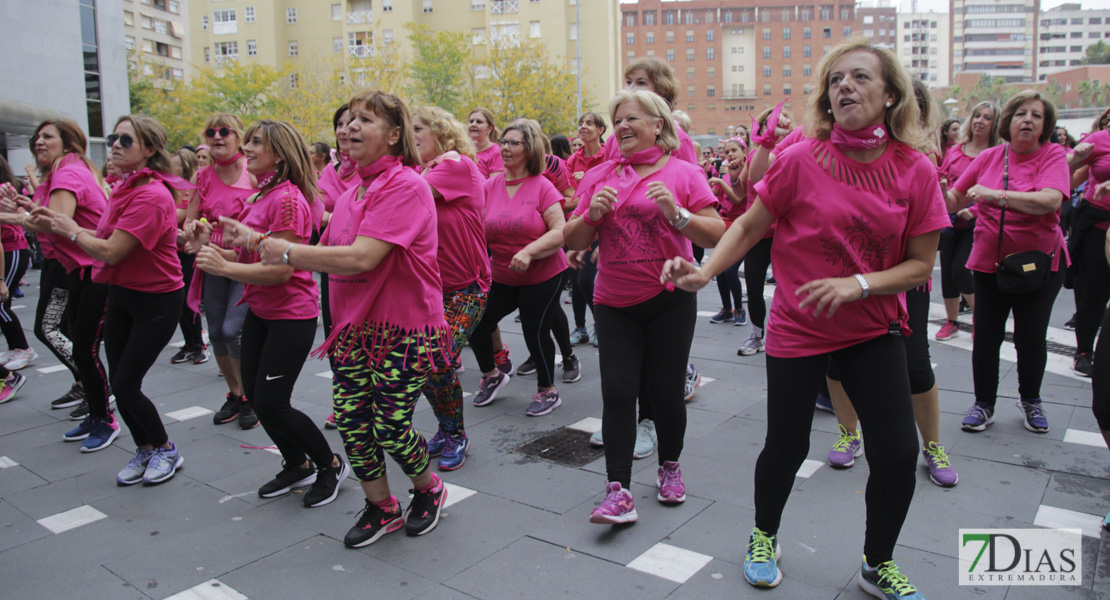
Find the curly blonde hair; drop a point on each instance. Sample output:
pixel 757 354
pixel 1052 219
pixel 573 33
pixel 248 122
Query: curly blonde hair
pixel 449 133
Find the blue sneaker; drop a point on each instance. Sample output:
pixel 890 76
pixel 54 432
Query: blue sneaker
pixel 824 403
pixel 1035 418
pixel 886 581
pixel 133 472
pixel 435 445
pixel 740 317
pixel 163 465
pixel 454 452
pixel 761 567
pixel 104 431
pixel 80 432
pixel 579 337
pixel 978 417
pixel 1106 522
pixel 725 314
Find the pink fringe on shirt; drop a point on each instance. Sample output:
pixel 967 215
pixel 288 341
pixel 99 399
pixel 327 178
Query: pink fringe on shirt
pixel 379 340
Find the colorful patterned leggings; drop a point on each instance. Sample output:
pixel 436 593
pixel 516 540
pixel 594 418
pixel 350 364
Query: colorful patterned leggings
pixel 374 405
pixel 463 310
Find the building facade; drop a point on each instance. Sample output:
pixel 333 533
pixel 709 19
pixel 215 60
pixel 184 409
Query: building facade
pixel 995 38
pixel 734 59
pixel 1064 33
pixel 155 32
pixel 277 31
pixel 924 47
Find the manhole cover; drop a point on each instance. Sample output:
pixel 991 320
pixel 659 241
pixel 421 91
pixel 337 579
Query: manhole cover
pixel 565 446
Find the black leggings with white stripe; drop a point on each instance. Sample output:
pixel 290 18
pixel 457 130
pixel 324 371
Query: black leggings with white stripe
pixel 15 265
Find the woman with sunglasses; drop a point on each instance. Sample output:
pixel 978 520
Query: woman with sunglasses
pixel 134 247
pixel 223 189
pixel 69 299
pixel 281 319
pixel 387 301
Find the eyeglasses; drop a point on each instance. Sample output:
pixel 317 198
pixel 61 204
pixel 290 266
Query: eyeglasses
pixel 125 141
pixel 211 133
pixel 510 143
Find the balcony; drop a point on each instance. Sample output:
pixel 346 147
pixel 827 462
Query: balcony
pixel 502 7
pixel 225 27
pixel 222 60
pixel 360 16
pixel 361 51
pixel 744 95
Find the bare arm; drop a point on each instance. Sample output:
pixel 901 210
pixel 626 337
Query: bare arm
pixel 544 246
pixel 212 260
pixel 736 242
pixel 364 254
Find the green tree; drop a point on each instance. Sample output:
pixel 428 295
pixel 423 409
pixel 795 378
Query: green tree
pixel 990 88
pixel 1097 54
pixel 438 71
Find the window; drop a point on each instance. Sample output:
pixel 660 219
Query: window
pixel 806 52
pixel 1093 34
pixel 806 14
pixel 689 73
pixel 668 17
pixel 690 92
pixel 293 50
pixel 766 34
pixel 203 23
pixel 336 45
pixel 534 29
pixel 207 54
pixel 291 15
pixel 767 71
pixel 786 52
pixel 728 17
pixel 766 89
pixel 709 16
pixel 689 54
pixel 710 53
pixel 1076 49
pixel 827 32
pixel 292 81
pixel 252 47
pixel 651 52
pixel 226 15
pixel 649 18
pixel 670 55
pixel 649 37
pixel 227 49
pixel 746 17
pixel 477 5
pixel 787 71
pixel 574 31
pixel 387 5
pixel 630 56
pixel 711 72
pixel 336 12
pixel 807 70
pixel 806 33
pixel 670 37
pixel 847 31
pixel 128 42
pixel 129 19
pixel 248 14
pixel 1077 21
pixel 785 33
pixel 845 13
pixel 766 52
pixel 709 35
pixel 1076 34
pixel 786 90
pixel 630 38
pixel 711 91
pixel 689 35
pixel 868 20
pixel 629 19
pixel 428 6
pixel 1095 21
pixel 688 18
pixel 175 8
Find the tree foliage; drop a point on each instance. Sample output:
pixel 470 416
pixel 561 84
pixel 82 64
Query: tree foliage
pixel 439 70
pixel 1093 94
pixel 1097 54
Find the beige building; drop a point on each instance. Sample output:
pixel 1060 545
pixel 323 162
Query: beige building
pixel 273 32
pixel 924 47
pixel 155 32
pixel 995 38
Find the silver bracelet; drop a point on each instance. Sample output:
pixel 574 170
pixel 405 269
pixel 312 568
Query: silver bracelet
pixel 285 255
pixel 862 284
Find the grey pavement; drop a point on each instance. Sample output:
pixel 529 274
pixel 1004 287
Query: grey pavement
pixel 516 526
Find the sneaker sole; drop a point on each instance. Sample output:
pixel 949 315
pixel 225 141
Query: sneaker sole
pixel 869 587
pixel 168 476
pixel 393 526
pixel 766 584
pixel 947 337
pixel 343 474
pixel 256 423
pixel 307 481
pixel 75 438
pixel 601 519
pixel 435 521
pixel 111 438
pixel 546 411
pixel 68 404
pixel 1080 373
pixel 15 389
pixel 330 426
pixel 945 485
pixel 740 324
pixel 748 351
pixel 493 394
pixel 977 428
pixel 225 421
pixel 577 377
pixel 125 482
pixel 178 362
pixel 525 373
pixel 635 455
pixel 200 362
pixel 1034 429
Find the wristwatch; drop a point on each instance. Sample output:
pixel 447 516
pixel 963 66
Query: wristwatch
pixel 682 219
pixel 285 255
pixel 1004 201
pixel 73 236
pixel 862 284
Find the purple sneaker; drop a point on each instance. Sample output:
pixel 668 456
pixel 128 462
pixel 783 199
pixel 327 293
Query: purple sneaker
pixel 940 470
pixel 846 449
pixel 616 508
pixel 671 488
pixel 436 444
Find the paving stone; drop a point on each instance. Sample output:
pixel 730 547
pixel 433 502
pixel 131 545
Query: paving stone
pixel 18 479
pixel 537 483
pixel 721 579
pixel 18 528
pixel 1047 454
pixel 1089 495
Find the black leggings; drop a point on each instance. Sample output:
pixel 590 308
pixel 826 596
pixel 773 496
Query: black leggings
pixel 1093 284
pixel 756 262
pixel 273 354
pixel 84 320
pixel 537 303
pixel 582 288
pixel 646 347
pixel 50 328
pixel 137 327
pixel 15 265
pixel 190 319
pixel 1100 381
pixel 955 277
pixel 874 375
pixel 729 281
pixel 1031 312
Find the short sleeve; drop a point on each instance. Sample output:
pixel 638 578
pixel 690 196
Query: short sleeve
pixel 971 175
pixel 66 179
pixel 291 213
pixel 928 212
pixel 450 178
pixel 698 194
pixel 1054 173
pixel 144 215
pixel 548 195
pixel 778 185
pixel 398 214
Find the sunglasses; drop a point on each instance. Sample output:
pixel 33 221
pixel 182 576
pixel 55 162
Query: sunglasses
pixel 125 141
pixel 223 131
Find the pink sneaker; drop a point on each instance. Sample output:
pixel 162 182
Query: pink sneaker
pixel 616 508
pixel 948 331
pixel 671 488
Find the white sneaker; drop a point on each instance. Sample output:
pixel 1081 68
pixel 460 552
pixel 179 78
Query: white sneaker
pixel 20 359
pixel 752 345
pixel 5 356
pixel 645 439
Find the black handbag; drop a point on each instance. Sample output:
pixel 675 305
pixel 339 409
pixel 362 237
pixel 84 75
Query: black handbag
pixel 1020 272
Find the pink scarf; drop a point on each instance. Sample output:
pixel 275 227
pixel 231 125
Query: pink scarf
pixel 347 166
pixel 266 180
pixel 767 139
pixel 127 179
pixel 371 171
pixel 628 178
pixel 867 138
pixel 224 163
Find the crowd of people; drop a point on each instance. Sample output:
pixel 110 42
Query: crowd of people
pixel 428 232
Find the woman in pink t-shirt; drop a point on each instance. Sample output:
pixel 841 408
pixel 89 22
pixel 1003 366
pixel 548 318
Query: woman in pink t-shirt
pixel 223 189
pixel 134 246
pixel 1026 180
pixel 978 133
pixel 69 300
pixel 655 75
pixel 859 213
pixel 732 200
pixel 644 207
pixel 591 127
pixel 483 132
pixel 184 164
pixel 524 229
pixel 387 301
pixel 281 319
pixel 16 260
pixel 458 188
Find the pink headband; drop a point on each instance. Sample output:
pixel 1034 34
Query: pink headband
pixel 202 147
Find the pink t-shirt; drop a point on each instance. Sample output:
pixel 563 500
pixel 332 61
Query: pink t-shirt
pixel 149 213
pixel 459 212
pixel 73 176
pixel 956 161
pixel 685 150
pixel 1099 171
pixel 513 223
pixel 580 163
pixel 729 211
pixel 283 208
pixel 555 171
pixel 217 199
pixel 404 292
pixel 332 187
pixel 489 161
pixel 1044 168
pixel 12 238
pixel 838 217
pixel 636 239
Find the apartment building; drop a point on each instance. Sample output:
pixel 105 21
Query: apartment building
pixel 277 31
pixel 1063 35
pixel 995 37
pixel 155 33
pixel 734 59
pixel 924 47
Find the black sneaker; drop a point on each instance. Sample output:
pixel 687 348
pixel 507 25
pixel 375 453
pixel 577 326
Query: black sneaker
pixel 372 524
pixel 200 355
pixel 326 487
pixel 73 397
pixel 1083 365
pixel 229 411
pixel 965 308
pixel 572 369
pixel 247 417
pixel 1070 325
pixel 423 513
pixel 289 478
pixel 79 413
pixel 183 355
pixel 528 367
